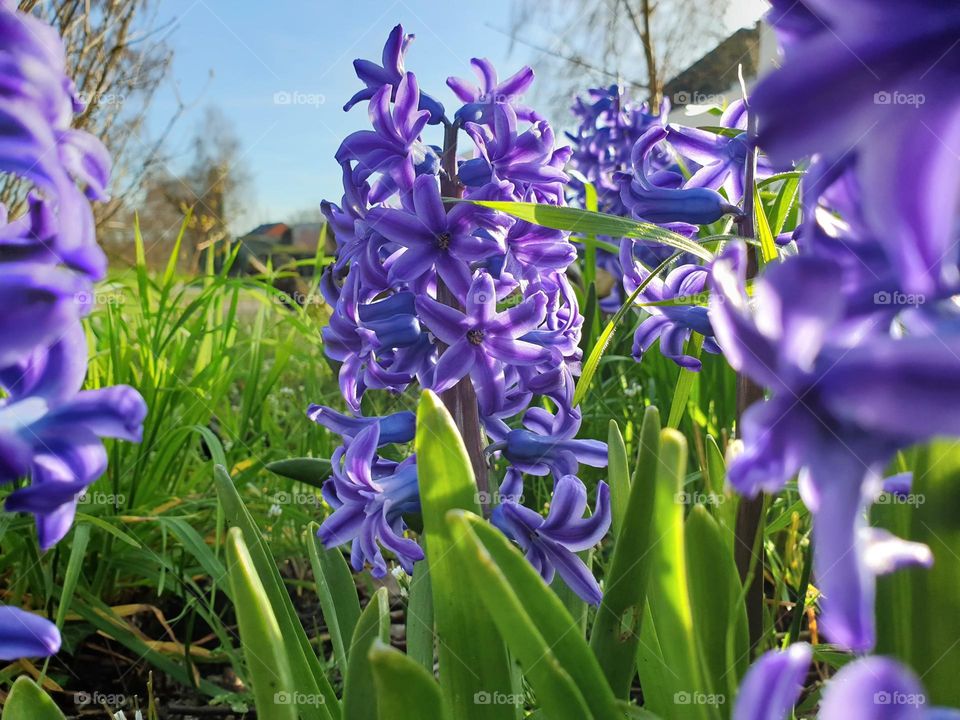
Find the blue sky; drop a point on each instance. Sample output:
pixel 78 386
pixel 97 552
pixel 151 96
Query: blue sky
pixel 239 54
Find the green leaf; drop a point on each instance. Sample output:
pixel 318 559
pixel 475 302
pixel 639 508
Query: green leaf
pixel 618 476
pixel 27 701
pixel 260 635
pixel 359 699
pixel 668 588
pixel 473 660
pixel 768 247
pixel 595 223
pixel 593 361
pixel 547 613
pixel 404 688
pixel 685 380
pixel 533 622
pixel 312 471
pixel 714 593
pixel 337 594
pixel 616 630
pixel 81 536
pixel 420 636
pixel 782 206
pixel 308 674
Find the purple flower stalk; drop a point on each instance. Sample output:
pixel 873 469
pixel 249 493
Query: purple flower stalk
pixel 50 429
pixel 439 294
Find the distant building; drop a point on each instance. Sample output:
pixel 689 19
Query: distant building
pixel 714 80
pixel 280 243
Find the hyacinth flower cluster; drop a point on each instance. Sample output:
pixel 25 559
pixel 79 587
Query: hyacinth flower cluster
pixel 681 178
pixel 855 338
pixel 444 295
pixel 51 430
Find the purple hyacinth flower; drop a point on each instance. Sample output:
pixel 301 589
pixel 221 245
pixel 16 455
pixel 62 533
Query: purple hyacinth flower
pixel 671 324
pixel 878 688
pixel 480 99
pixel 722 158
pixel 41 302
pixel 523 159
pixel 393 148
pixel 24 635
pixel 431 238
pixel 481 340
pixel 886 71
pixel 648 196
pixel 391 73
pixel 547 442
pixel 37 104
pixel 551 543
pixel 370 497
pixel 398 427
pixel 837 411
pixel 51 431
pixel 773 684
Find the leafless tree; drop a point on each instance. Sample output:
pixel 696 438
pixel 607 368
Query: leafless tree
pixel 638 43
pixel 212 190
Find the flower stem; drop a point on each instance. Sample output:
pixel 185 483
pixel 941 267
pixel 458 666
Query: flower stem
pixel 751 510
pixel 461 399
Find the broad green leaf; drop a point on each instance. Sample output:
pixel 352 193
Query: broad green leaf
pixel 312 471
pixel 27 701
pixel 520 605
pixel 420 636
pixel 768 247
pixel 668 587
pixel 404 688
pixel 714 593
pixel 685 380
pixel 931 513
pixel 593 361
pixel 337 594
pixel 308 674
pixel 260 635
pixel 359 698
pixel 473 659
pixel 616 629
pixel 618 476
pixel 546 612
pixel 596 223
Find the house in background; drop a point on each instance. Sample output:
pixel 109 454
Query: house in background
pixel 278 244
pixel 714 80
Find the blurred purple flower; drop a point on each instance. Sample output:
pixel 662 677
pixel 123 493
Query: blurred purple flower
pixel 23 634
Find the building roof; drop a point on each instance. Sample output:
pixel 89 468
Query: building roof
pixel 716 72
pixel 277 230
